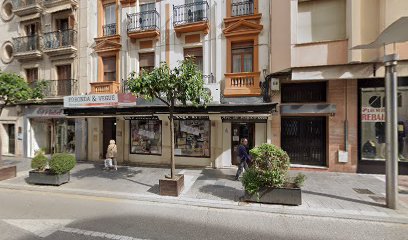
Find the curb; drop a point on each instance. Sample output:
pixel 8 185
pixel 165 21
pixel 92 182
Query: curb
pixel 225 205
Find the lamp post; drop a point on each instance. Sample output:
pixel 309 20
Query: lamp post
pixel 395 33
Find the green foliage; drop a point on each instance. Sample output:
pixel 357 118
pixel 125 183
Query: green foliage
pixel 182 84
pixel 299 180
pixel 39 162
pixel 14 89
pixel 61 163
pixel 269 168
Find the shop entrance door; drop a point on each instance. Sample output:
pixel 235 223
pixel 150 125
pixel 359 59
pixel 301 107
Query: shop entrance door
pixel 304 139
pixel 11 138
pixel 109 133
pixel 239 131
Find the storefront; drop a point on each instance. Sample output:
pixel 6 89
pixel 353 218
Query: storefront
pixel 49 130
pixel 11 131
pixel 372 126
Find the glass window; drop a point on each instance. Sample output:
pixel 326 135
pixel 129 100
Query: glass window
pixel 110 14
pixel 32 75
pixel 146 137
pixel 109 69
pixel 192 138
pixel 197 54
pixel 373 124
pixel 242 57
pixel 146 61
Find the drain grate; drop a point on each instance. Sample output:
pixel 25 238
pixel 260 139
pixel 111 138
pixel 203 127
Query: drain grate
pixel 362 191
pixel 378 199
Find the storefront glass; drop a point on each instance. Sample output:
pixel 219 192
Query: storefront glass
pixel 192 138
pixel 373 124
pixel 146 137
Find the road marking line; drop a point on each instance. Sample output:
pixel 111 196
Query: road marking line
pixel 97 234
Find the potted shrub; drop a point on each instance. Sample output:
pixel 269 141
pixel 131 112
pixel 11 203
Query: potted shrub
pixel 267 180
pixel 56 174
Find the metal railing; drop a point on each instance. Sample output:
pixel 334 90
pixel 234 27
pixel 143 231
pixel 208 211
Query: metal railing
pixel 58 88
pixel 26 44
pixel 142 21
pixel 109 29
pixel 242 8
pixel 124 87
pixel 190 13
pixel 209 79
pixel 59 39
pixel 17 4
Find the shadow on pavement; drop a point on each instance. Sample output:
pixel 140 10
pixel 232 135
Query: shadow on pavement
pixel 343 198
pixel 216 174
pixel 224 192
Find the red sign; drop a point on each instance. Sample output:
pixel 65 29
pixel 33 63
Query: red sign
pixel 370 114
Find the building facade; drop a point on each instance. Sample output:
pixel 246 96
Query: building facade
pixel 331 98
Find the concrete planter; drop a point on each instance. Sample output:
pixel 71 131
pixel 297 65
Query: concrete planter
pixel 285 196
pixel 46 178
pixel 171 187
pixel 8 172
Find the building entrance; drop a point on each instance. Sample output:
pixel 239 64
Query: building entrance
pixel 238 132
pixel 109 133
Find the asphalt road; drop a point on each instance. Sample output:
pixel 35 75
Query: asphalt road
pixel 37 215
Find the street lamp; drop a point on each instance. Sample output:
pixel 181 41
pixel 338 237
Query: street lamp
pixel 395 33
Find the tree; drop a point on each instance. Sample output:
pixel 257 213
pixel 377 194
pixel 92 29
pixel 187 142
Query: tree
pixel 182 85
pixel 13 90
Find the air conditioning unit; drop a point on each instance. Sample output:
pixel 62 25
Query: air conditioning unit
pixel 215 91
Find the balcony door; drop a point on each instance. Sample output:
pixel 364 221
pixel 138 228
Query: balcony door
pixel 62 27
pixel 194 11
pixel 31 31
pixel 242 57
pixel 64 80
pixel 31 75
pixel 109 28
pixel 109 69
pixel 146 62
pixel 196 54
pixel 147 18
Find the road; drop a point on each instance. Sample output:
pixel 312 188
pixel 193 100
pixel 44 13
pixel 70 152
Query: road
pixel 39 215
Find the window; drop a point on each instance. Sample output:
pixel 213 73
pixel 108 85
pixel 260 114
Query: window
pixel 242 57
pixel 109 69
pixel 64 83
pixel 197 54
pixel 303 92
pixel 321 21
pixel 146 136
pixel 242 7
pixel 192 138
pixel 110 20
pixel 146 62
pixel 32 75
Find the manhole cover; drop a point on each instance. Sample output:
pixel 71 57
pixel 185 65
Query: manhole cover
pixel 378 199
pixel 362 191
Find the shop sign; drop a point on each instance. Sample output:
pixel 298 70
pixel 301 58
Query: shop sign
pixel 46 111
pixel 371 114
pixel 100 100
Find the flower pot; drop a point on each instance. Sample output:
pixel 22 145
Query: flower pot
pixel 286 196
pixel 47 178
pixel 171 187
pixel 7 172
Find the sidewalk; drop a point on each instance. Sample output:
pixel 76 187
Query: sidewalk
pixel 325 194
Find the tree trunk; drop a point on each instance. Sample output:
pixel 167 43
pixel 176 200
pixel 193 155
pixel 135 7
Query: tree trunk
pixel 173 163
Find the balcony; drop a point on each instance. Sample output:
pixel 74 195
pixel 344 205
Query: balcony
pixel 109 30
pixel 104 87
pixel 242 8
pixel 58 3
pixel 209 79
pixel 243 84
pixel 191 17
pixel 60 42
pixel 26 7
pixel 27 48
pixel 143 25
pixel 59 88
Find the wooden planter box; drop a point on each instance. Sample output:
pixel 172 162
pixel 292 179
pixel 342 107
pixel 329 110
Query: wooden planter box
pixel 286 196
pixel 46 178
pixel 8 172
pixel 171 187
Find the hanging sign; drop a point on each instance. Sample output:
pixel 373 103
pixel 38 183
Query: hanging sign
pixel 100 100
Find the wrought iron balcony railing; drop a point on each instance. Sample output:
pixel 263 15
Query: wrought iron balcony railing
pixel 242 8
pixel 208 79
pixel 109 29
pixel 59 39
pixel 17 4
pixel 26 44
pixel 58 88
pixel 190 13
pixel 142 21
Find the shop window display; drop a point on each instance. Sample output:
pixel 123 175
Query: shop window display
pixel 373 124
pixel 146 137
pixel 192 138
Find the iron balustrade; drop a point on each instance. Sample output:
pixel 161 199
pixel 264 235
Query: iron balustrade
pixel 58 88
pixel 242 8
pixel 190 13
pixel 59 39
pixel 26 44
pixel 17 4
pixel 209 79
pixel 109 29
pixel 124 86
pixel 142 21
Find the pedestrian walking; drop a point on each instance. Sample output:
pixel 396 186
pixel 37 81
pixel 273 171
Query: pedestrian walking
pixel 243 156
pixel 111 153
